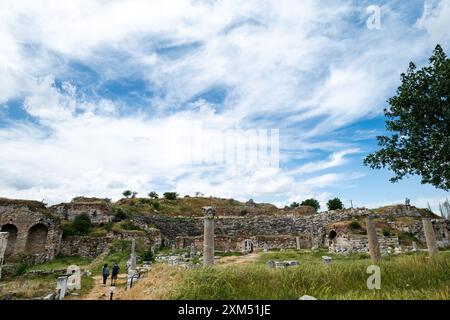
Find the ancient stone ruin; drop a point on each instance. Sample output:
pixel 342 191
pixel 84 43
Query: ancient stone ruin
pixel 35 230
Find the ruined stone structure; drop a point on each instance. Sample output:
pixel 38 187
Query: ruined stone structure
pixel 208 237
pixel 33 230
pixel 280 232
pixel 3 244
pixel 98 210
pixel 430 236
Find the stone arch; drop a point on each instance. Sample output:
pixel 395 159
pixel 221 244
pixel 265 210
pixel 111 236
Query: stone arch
pixel 37 238
pixel 12 237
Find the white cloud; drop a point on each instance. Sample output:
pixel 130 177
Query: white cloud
pixel 301 60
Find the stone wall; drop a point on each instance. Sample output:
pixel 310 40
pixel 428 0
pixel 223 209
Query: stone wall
pixel 82 246
pixel 91 247
pixel 314 227
pixel 346 244
pixel 33 231
pixel 98 211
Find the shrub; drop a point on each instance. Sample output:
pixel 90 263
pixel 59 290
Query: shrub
pixel 20 268
pixel 406 237
pixel 386 232
pixel 80 226
pixel 127 193
pixel 335 204
pixel 127 225
pixel 355 225
pixel 312 203
pixel 148 256
pixel 153 195
pixel 145 201
pixel 120 214
pixel 295 205
pixel 156 205
pixel 170 195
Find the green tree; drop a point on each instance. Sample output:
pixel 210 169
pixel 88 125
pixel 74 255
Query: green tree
pixel 81 225
pixel 418 120
pixel 127 193
pixel 295 205
pixel 153 195
pixel 312 203
pixel 170 195
pixel 335 204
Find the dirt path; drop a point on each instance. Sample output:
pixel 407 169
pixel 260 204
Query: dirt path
pixel 99 292
pixel 156 283
pixel 247 259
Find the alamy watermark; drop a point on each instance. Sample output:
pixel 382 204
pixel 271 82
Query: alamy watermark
pixel 236 148
pixel 374 280
pixel 374 20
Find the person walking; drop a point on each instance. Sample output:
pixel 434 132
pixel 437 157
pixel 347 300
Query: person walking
pixel 114 274
pixel 105 273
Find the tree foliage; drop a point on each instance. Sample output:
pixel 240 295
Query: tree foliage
pixel 80 226
pixel 170 195
pixel 295 205
pixel 153 195
pixel 335 204
pixel 419 122
pixel 312 203
pixel 127 193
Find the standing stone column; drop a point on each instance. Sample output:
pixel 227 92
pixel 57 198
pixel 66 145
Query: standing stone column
pixel 430 236
pixel 3 244
pixel 133 255
pixel 208 238
pixel 374 247
pixel 297 242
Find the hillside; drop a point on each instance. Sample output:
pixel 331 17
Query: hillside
pixel 192 206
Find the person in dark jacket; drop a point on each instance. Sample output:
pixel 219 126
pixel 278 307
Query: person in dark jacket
pixel 114 274
pixel 105 273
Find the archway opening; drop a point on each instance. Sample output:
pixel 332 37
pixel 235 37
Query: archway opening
pixel 37 237
pixel 248 246
pixel 332 235
pixel 12 237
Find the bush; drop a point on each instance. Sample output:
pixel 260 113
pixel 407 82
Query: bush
pixel 21 268
pixel 120 215
pixel 148 256
pixel 153 195
pixel 355 225
pixel 335 204
pixel 127 193
pixel 170 195
pixel 295 205
pixel 312 203
pixel 406 237
pixel 386 232
pixel 156 205
pixel 80 226
pixel 127 225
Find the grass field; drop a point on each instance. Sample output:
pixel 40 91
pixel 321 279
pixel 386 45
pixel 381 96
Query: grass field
pixel 402 277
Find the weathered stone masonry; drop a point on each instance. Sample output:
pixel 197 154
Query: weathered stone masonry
pixel 33 231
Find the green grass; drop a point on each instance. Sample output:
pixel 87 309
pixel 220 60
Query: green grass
pixel 402 277
pixel 60 263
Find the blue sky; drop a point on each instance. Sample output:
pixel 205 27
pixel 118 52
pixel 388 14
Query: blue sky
pixel 98 97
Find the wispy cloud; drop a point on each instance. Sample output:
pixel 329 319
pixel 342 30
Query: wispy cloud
pixel 115 90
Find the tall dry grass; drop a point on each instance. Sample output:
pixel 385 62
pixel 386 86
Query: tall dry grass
pixel 403 277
